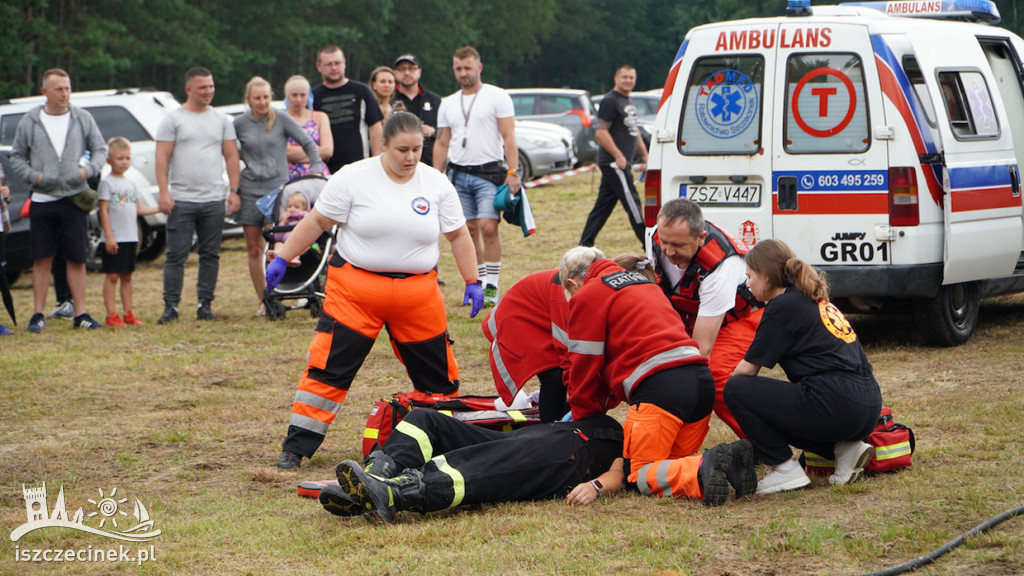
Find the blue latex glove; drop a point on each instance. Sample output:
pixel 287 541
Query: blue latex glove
pixel 474 294
pixel 276 270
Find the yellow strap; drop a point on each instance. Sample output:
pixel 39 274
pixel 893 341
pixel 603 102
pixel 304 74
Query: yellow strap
pixel 458 482
pixel 516 415
pixel 417 434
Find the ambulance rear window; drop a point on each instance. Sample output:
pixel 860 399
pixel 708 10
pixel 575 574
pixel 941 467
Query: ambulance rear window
pixel 722 108
pixel 968 105
pixel 826 104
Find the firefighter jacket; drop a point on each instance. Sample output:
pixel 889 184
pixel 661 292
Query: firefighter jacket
pixel 527 332
pixel 685 294
pixel 621 330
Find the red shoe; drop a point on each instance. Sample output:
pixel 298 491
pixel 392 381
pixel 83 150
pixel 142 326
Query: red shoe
pixel 114 320
pixel 131 320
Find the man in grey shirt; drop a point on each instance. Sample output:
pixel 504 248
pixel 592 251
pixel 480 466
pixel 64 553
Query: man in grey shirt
pixel 191 143
pixel 57 147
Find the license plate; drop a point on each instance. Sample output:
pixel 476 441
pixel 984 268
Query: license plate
pixel 723 194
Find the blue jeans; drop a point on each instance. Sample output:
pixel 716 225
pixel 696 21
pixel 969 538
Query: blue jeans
pixel 205 220
pixel 476 196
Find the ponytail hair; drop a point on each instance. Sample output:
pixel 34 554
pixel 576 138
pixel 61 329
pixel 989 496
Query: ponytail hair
pixel 777 262
pixel 636 262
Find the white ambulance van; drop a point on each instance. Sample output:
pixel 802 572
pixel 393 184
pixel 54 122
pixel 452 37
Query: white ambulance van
pixel 881 140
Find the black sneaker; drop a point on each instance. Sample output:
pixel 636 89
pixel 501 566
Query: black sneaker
pixel 170 315
pixel 203 312
pixel 87 322
pixel 712 474
pixel 36 323
pixel 741 473
pixel 288 460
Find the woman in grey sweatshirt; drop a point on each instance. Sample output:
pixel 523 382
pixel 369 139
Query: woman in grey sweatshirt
pixel 263 139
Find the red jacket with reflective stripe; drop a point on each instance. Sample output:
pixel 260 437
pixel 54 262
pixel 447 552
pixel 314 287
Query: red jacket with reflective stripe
pixel 527 331
pixel 618 337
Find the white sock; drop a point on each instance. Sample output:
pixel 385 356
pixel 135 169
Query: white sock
pixel 493 270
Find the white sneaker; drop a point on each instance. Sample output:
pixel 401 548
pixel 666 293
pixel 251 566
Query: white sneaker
pixel 851 457
pixel 783 480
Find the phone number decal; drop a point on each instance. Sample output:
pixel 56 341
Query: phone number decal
pixel 835 180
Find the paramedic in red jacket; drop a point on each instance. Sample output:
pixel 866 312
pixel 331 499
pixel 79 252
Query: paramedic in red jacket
pixel 702 272
pixel 527 335
pixel 626 344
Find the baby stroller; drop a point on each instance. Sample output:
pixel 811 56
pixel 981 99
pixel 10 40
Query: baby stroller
pixel 302 285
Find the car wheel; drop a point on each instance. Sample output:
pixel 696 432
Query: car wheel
pixel 949 318
pixel 524 171
pixel 151 242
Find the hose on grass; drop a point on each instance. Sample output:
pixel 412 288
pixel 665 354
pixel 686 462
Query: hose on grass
pixel 948 546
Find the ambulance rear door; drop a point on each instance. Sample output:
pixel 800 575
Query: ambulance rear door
pixel 981 181
pixel 720 161
pixel 830 176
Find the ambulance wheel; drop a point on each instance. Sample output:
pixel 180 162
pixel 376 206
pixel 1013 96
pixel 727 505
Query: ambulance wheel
pixel 949 318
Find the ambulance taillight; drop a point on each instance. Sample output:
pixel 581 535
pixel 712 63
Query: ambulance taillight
pixel 652 196
pixel 903 206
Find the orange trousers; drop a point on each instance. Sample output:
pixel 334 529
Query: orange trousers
pixel 662 451
pixel 357 305
pixel 730 346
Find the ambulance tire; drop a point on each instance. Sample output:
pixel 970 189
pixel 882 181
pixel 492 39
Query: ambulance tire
pixel 949 318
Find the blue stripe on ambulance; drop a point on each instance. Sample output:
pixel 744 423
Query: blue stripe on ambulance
pixel 962 178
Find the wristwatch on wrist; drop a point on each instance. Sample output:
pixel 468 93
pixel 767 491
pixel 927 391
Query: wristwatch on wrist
pixel 597 486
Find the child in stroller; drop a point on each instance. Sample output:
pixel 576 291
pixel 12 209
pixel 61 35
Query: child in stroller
pixel 302 285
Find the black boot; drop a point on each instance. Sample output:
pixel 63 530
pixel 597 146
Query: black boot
pixel 741 473
pixel 380 465
pixel 712 475
pixel 385 496
pixel 337 502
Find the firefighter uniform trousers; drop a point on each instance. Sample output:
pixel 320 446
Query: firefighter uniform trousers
pixel 466 464
pixel 730 346
pixel 661 446
pixel 358 304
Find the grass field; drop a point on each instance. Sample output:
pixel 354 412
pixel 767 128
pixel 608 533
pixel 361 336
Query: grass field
pixel 188 418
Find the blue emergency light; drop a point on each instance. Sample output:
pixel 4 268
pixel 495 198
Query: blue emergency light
pixel 970 10
pixel 798 7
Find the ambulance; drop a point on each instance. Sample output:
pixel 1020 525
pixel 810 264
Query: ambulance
pixel 881 140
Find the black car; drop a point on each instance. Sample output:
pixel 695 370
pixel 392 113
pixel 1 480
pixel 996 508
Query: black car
pixel 19 256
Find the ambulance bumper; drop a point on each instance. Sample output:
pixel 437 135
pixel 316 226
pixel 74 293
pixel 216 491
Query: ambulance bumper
pixel 919 280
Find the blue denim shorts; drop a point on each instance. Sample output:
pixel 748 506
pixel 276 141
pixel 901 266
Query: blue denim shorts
pixel 476 195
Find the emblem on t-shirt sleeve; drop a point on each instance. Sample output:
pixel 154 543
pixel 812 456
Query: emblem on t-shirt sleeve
pixel 835 322
pixel 421 205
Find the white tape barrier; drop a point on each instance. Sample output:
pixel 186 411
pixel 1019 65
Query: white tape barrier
pixel 639 168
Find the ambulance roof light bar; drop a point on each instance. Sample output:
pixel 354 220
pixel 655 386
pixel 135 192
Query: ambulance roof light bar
pixel 984 11
pixel 798 7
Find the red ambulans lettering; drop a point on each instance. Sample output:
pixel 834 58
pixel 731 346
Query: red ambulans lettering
pixel 765 38
pixel 902 8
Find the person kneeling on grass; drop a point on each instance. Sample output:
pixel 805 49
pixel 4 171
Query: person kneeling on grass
pixel 831 402
pixel 432 462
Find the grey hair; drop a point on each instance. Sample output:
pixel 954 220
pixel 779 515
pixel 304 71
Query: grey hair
pixel 683 209
pixel 577 261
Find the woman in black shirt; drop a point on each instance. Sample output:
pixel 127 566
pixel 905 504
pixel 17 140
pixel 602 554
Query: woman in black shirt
pixel 831 401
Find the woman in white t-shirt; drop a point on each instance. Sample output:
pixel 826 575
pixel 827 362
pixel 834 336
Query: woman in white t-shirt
pixel 390 210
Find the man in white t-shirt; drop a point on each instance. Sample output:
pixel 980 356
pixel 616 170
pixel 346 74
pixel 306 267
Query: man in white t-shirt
pixel 476 148
pixel 702 271
pixel 194 144
pixel 57 148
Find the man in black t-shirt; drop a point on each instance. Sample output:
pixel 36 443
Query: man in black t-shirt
pixel 620 139
pixel 417 100
pixel 352 109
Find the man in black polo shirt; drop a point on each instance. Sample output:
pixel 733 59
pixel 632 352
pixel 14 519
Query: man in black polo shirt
pixel 417 100
pixel 620 139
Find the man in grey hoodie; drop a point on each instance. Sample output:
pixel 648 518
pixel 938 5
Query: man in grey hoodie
pixel 57 147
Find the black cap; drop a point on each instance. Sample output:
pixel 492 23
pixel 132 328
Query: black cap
pixel 406 58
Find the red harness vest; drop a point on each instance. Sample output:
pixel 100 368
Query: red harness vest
pixel 685 295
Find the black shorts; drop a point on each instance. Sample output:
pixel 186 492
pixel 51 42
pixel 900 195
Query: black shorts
pixel 58 223
pixel 120 263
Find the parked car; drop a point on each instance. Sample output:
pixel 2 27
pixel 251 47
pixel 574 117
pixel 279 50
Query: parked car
pixel 134 113
pixel 543 149
pixel 18 246
pixel 565 107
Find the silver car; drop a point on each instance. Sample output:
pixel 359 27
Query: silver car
pixel 564 107
pixel 543 149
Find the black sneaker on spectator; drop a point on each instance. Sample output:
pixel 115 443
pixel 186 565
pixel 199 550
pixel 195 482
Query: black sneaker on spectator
pixel 87 322
pixel 203 312
pixel 65 309
pixel 36 323
pixel 170 315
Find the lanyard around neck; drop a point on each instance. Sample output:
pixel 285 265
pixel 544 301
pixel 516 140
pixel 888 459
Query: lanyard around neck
pixel 466 113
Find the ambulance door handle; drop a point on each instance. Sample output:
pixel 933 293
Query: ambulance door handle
pixel 1014 181
pixel 931 158
pixel 787 193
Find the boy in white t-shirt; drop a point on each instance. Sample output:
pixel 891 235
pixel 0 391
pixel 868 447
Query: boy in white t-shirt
pixel 118 213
